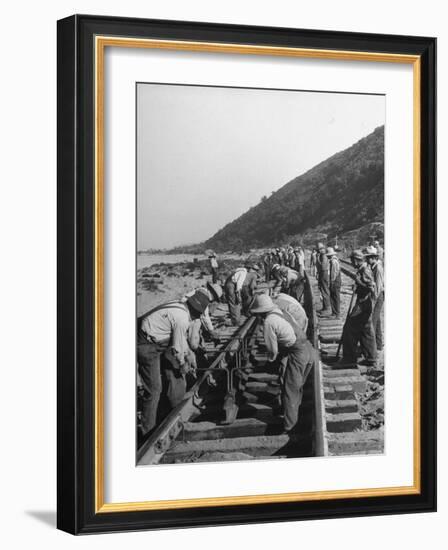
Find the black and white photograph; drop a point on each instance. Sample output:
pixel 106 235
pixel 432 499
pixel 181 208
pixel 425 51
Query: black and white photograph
pixel 259 273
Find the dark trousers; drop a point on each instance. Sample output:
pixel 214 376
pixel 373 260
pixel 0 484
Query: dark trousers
pixel 148 357
pixel 300 360
pixel 377 321
pixel 325 292
pixel 150 363
pixel 214 274
pixel 297 288
pixel 358 328
pixel 335 297
pixel 246 298
pixel 267 272
pixel 233 303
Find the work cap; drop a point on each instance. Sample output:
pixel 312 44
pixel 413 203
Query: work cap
pixel 262 304
pixel 370 251
pixel 215 289
pixel 275 267
pixel 330 251
pixel 357 255
pixel 198 301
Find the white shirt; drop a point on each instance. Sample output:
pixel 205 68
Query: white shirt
pixel 238 277
pixel 169 326
pixel 277 331
pixel 294 308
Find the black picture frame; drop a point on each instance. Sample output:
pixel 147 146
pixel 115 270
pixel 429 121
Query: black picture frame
pixel 76 286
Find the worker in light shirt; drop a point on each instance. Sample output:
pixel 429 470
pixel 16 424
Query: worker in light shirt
pixel 290 305
pixel 288 347
pixel 162 341
pixel 239 289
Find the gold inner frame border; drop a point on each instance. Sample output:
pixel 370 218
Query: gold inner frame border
pixel 100 44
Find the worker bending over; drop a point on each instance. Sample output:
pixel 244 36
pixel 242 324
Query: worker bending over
pixel 164 354
pixel 239 290
pixel 288 281
pixel 288 348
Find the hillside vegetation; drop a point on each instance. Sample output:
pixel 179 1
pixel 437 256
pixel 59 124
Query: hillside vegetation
pixel 339 195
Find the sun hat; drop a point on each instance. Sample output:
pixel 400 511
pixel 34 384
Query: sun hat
pixel 215 289
pixel 370 251
pixel 331 252
pixel 357 255
pixel 262 304
pixel 198 301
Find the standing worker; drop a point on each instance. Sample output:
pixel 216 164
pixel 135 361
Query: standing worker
pixel 249 286
pixel 358 327
pixel 163 333
pixel 334 280
pixel 214 267
pixel 322 278
pixel 376 267
pixel 313 262
pixel 288 348
pixel 268 261
pixel 380 250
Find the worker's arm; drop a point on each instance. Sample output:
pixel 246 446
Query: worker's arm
pixel 270 340
pixel 179 342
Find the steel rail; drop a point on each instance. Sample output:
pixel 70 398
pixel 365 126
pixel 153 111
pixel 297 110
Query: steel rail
pixel 320 443
pixel 153 449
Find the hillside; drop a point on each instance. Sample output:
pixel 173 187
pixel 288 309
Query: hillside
pixel 340 194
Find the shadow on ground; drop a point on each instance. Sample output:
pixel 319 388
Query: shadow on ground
pixel 44 516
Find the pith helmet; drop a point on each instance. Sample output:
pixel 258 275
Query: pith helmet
pixel 371 251
pixel 215 289
pixel 331 252
pixel 262 304
pixel 357 255
pixel 198 301
pixel 320 246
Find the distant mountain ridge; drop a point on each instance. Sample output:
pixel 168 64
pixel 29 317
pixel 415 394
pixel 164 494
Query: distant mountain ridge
pixel 338 195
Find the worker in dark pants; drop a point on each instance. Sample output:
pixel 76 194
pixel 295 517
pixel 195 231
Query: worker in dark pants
pixel 239 289
pixel 334 281
pixel 163 352
pixel 288 347
pixel 249 286
pixel 358 328
pixel 268 261
pixel 376 266
pixel 323 279
pixel 213 267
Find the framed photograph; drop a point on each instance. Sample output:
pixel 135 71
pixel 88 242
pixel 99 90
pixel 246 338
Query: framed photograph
pixel 246 274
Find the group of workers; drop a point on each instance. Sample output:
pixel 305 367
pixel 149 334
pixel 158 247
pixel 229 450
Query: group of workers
pixel 169 335
pixel 363 326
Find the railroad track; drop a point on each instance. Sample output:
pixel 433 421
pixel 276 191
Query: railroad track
pixel 231 413
pixel 342 388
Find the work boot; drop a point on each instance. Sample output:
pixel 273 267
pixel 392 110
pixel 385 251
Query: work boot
pixel 344 364
pixel 367 363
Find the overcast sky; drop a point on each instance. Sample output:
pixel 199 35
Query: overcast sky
pixel 205 155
